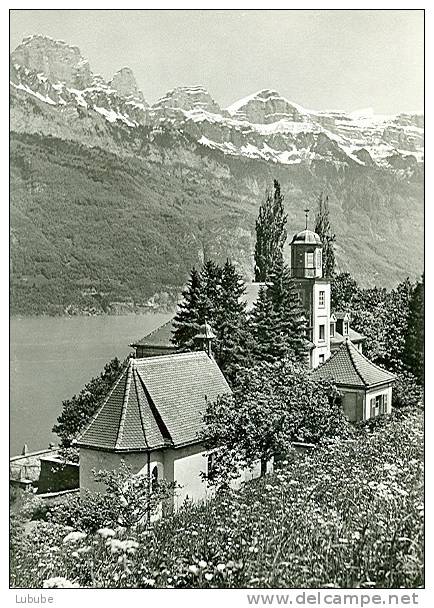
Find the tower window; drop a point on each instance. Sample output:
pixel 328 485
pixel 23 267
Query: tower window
pixel 322 332
pixel 322 299
pixel 309 260
pixel 321 358
pixel 318 258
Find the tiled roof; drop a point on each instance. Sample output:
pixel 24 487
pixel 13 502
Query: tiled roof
pixel 348 367
pixel 156 401
pixel 125 421
pixel 354 336
pixel 161 336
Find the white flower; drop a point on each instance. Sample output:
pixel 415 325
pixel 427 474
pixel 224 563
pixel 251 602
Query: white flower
pixel 126 546
pixel 202 564
pixel 74 537
pixel 149 581
pixel 193 569
pixel 59 582
pixel 220 567
pixel 106 532
pixel 208 576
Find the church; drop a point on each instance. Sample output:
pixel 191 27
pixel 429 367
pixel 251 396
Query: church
pixel 152 417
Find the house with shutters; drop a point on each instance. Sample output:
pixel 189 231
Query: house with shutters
pixel 365 388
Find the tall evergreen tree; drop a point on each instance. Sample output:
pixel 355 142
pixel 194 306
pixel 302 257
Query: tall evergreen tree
pixel 187 320
pixel 229 323
pixel 277 322
pixel 414 350
pixel 270 233
pixel 324 231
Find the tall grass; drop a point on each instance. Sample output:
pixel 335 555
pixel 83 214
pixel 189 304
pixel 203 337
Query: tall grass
pixel 348 514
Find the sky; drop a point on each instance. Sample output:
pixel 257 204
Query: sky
pixel 321 59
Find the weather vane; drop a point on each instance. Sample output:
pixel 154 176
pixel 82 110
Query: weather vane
pixel 306 213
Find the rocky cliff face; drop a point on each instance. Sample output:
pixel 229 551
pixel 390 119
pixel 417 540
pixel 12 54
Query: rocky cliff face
pixel 263 125
pixel 186 178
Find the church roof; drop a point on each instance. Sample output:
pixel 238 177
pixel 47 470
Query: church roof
pixel 348 367
pixel 161 336
pixel 157 401
pixel 306 237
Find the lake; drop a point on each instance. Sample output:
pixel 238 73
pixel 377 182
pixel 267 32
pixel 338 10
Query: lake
pixel 52 358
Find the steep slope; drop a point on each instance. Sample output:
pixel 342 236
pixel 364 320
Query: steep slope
pixel 113 200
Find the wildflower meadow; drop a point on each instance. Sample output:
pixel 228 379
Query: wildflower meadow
pixel 347 514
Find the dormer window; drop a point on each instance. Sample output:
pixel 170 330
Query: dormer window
pixel 332 330
pixel 346 328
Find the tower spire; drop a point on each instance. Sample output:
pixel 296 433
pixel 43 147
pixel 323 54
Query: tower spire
pixel 306 213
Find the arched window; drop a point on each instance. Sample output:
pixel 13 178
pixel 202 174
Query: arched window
pixel 154 478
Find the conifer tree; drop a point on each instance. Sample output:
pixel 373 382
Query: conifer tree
pixel 229 324
pixel 187 320
pixel 323 229
pixel 277 322
pixel 270 233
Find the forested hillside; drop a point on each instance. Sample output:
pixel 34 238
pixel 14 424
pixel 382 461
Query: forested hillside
pixel 91 228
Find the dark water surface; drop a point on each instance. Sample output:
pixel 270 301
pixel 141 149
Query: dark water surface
pixel 52 358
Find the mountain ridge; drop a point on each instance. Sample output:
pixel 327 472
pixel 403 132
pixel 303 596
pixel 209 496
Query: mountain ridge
pixel 190 176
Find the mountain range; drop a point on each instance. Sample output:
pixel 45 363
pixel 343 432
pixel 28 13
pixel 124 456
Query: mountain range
pixel 113 199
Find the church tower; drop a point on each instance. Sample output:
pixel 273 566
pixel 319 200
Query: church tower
pixel 314 291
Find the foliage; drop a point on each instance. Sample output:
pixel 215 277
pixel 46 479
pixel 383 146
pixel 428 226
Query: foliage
pixel 215 295
pixel 407 391
pixel 324 231
pixel 190 314
pixel 78 410
pixel 414 348
pixel 348 514
pixel 277 322
pixel 273 406
pixel 270 234
pixel 392 321
pixel 125 500
pixel 343 291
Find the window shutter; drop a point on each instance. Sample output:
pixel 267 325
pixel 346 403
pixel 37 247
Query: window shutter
pixel 372 407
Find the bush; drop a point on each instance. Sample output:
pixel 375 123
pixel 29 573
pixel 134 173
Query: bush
pixel 407 392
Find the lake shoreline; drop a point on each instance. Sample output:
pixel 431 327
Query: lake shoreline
pixel 53 357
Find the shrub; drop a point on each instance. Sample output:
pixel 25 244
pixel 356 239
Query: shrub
pixel 407 392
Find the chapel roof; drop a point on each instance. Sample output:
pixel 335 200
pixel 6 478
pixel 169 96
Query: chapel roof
pixel 156 402
pixel 348 367
pixel 161 336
